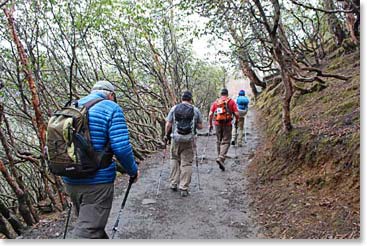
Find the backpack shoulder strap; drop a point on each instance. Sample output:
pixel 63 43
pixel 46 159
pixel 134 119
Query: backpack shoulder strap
pixel 175 108
pixel 227 105
pixel 91 103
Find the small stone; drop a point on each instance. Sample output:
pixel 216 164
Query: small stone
pixel 148 201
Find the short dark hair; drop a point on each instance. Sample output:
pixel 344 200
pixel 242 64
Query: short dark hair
pixel 224 92
pixel 186 96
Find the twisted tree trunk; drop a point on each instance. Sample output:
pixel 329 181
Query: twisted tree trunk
pixel 24 210
pixel 14 222
pixel 334 25
pixel 41 126
pixel 4 229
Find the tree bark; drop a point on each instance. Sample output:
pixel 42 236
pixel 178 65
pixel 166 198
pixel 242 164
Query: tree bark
pixel 288 93
pixel 41 126
pixel 28 75
pixel 333 22
pixel 353 19
pixel 245 66
pixel 15 223
pixel 17 175
pixel 4 229
pixel 248 72
pixel 281 56
pixel 17 226
pixel 163 77
pixel 20 194
pixel 254 89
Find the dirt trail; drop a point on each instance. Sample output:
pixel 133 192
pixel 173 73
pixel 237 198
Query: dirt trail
pixel 219 210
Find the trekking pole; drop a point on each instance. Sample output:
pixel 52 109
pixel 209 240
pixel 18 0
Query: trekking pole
pixel 245 123
pixel 114 229
pixel 206 145
pixel 160 174
pixel 235 143
pixel 70 205
pixel 197 165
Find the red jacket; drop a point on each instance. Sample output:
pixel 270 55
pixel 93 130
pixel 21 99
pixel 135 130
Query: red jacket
pixel 232 107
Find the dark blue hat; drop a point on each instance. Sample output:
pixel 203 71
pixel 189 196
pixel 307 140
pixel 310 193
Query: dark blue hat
pixel 186 96
pixel 241 93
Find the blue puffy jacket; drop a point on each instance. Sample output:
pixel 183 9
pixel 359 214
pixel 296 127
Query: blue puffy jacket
pixel 242 102
pixel 107 121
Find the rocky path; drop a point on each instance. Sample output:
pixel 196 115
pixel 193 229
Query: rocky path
pixel 218 210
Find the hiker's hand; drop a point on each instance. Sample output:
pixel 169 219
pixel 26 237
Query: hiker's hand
pixel 135 178
pixel 167 139
pixel 210 129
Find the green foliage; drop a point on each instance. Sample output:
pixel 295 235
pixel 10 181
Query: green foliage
pixel 143 47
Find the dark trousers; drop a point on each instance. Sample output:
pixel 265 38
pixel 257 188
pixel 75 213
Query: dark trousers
pixel 224 135
pixel 92 204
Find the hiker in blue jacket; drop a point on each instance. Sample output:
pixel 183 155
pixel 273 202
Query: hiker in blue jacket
pixel 242 104
pixel 92 197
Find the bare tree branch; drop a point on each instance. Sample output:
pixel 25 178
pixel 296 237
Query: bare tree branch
pixel 328 11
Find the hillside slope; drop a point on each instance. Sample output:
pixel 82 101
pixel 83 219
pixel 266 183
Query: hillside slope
pixel 305 184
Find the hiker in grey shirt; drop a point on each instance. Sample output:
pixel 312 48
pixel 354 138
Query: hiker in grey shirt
pixel 181 124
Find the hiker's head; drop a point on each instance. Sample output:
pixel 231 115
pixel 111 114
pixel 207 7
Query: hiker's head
pixel 186 96
pixel 224 92
pixel 241 93
pixel 106 88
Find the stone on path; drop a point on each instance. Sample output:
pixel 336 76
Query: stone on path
pixel 148 201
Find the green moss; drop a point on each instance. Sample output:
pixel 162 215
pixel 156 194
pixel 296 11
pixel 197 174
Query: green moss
pixel 343 108
pixel 331 111
pixel 353 140
pixel 331 47
pixel 336 63
pixel 348 44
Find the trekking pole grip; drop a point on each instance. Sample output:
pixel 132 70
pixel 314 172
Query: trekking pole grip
pixel 132 179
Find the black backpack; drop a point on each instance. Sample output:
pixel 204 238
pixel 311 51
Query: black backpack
pixel 184 116
pixel 68 145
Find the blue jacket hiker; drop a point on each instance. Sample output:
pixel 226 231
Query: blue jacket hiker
pixel 92 197
pixel 242 101
pixel 242 105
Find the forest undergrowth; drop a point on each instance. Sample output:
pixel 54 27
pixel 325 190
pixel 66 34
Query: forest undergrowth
pixel 305 183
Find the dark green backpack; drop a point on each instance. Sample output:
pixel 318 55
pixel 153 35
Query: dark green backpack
pixel 68 145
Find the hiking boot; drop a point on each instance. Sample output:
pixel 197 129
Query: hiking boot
pixel 220 163
pixel 173 187
pixel 184 193
pixel 233 143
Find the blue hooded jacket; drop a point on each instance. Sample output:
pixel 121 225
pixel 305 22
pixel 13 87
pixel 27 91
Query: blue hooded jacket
pixel 242 102
pixel 107 121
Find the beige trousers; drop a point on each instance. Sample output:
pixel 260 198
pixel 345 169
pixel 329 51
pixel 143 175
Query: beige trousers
pixel 224 135
pixel 241 124
pixel 182 156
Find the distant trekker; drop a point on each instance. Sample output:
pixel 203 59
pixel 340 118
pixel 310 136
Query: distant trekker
pixel 182 122
pixel 242 105
pixel 222 110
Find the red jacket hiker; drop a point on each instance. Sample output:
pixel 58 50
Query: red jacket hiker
pixel 223 110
